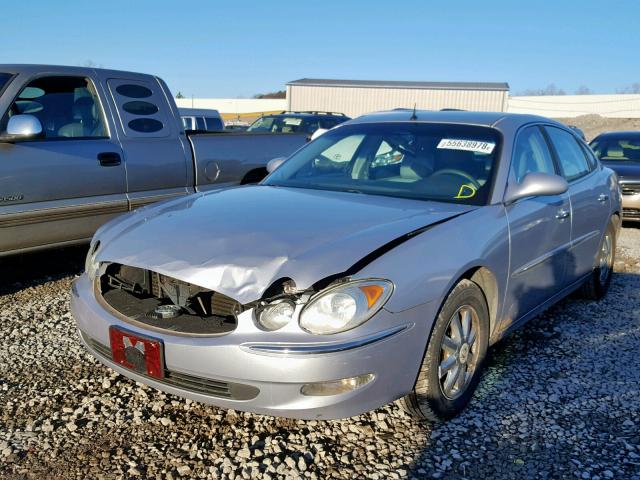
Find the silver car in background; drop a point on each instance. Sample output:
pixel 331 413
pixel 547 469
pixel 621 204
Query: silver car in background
pixel 377 263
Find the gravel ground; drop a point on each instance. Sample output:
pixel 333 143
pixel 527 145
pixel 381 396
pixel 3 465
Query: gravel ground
pixel 560 398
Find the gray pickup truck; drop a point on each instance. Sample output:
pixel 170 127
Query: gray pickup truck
pixel 79 146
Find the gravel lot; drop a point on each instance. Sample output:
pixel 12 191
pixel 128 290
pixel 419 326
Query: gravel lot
pixel 560 398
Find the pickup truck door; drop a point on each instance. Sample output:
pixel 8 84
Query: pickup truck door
pixel 540 231
pixel 61 188
pixel 157 156
pixel 589 194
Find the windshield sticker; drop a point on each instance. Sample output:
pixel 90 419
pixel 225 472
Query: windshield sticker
pixel 466 191
pixel 292 121
pixel 468 145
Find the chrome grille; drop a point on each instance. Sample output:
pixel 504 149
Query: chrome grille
pixel 630 188
pixel 183 381
pixel 633 213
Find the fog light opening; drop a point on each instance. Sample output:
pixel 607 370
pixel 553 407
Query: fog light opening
pixel 336 387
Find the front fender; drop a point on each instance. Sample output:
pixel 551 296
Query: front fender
pixel 426 268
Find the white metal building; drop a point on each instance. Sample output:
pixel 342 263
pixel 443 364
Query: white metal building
pixel 356 97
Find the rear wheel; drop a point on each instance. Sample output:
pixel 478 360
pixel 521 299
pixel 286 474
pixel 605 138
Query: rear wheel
pixel 453 360
pixel 598 283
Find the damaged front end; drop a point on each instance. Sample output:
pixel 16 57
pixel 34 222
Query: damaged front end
pixel 160 302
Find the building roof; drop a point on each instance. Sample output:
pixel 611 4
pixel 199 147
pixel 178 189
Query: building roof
pixel 324 82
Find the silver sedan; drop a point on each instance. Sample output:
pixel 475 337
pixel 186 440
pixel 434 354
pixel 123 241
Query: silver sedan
pixel 377 263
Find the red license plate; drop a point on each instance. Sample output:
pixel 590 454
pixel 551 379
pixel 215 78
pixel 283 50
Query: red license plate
pixel 137 352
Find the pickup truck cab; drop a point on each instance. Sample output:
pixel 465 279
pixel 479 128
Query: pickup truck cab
pixel 79 146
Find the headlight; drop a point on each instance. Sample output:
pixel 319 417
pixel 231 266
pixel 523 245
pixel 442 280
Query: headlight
pixel 90 264
pixel 345 306
pixel 276 315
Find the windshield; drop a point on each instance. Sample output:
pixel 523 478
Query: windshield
pixel 4 79
pixel 282 124
pixel 448 163
pixel 617 149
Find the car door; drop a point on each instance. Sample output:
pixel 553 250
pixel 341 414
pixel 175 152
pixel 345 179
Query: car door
pixel 60 188
pixel 540 232
pixel 589 201
pixel 159 164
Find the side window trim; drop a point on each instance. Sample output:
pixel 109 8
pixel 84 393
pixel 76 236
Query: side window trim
pixel 90 81
pixel 592 160
pixel 551 148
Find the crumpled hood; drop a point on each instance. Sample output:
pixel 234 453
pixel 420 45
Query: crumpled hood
pixel 238 241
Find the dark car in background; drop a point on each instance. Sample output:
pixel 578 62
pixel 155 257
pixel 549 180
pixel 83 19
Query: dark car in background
pixel 297 122
pixel 620 151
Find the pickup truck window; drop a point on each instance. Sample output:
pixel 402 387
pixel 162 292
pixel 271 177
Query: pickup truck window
pixel 4 79
pixel 142 110
pixel 138 107
pixel 67 107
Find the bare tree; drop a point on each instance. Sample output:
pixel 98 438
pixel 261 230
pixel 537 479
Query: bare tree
pixel 550 89
pixel 91 64
pixel 278 94
pixel 179 94
pixel 633 88
pixel 583 90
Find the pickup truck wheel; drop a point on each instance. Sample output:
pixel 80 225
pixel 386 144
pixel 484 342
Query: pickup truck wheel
pixel 598 283
pixel 453 360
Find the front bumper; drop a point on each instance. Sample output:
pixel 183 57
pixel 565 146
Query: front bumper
pixel 630 190
pixel 213 369
pixel 631 207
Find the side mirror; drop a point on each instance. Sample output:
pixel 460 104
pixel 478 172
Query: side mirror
pixel 22 127
pixel 275 163
pixel 536 185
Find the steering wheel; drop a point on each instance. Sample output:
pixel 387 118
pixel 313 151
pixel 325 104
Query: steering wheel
pixel 458 173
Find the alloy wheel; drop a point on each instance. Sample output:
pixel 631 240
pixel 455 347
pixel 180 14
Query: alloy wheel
pixel 458 352
pixel 606 258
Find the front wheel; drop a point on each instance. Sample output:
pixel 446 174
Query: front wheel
pixel 453 360
pixel 598 283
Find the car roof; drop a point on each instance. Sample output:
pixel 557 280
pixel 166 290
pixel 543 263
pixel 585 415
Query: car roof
pixel 619 134
pixel 205 112
pixel 487 119
pixel 306 114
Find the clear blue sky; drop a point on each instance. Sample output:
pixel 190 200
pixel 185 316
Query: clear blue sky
pixel 239 48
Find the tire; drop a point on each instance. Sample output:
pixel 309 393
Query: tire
pixel 430 399
pixel 599 281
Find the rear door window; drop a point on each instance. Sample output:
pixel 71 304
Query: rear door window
pixel 531 154
pixel 572 159
pixel 67 107
pixel 200 123
pixel 142 110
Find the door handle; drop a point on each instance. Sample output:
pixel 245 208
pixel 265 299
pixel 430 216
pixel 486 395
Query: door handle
pixel 109 159
pixel 603 198
pixel 563 213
